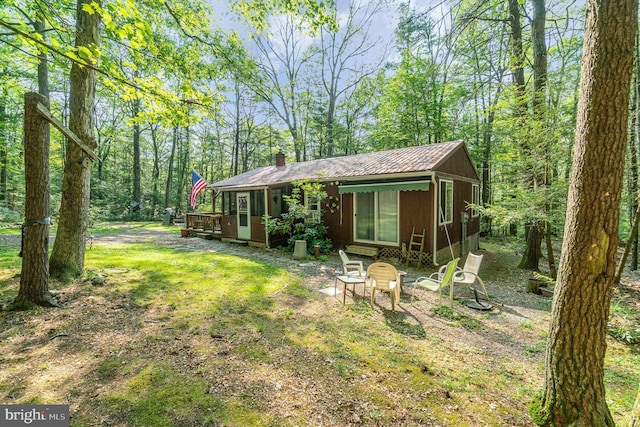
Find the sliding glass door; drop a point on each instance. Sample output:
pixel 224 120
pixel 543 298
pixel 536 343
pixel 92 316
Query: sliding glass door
pixel 376 217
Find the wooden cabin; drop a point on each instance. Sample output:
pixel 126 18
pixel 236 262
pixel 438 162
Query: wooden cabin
pixel 375 200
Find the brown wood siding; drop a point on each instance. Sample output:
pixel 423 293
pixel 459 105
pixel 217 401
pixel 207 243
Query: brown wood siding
pixel 462 195
pixel 228 225
pixel 257 229
pixel 339 223
pixel 416 210
pixel 230 230
pixel 459 164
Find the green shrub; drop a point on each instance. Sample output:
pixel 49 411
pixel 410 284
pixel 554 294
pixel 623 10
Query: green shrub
pixel 7 215
pixel 300 222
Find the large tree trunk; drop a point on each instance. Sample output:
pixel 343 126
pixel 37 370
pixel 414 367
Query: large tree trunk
pixel 533 240
pixel 635 415
pixel 34 278
pixel 67 258
pixel 574 388
pixel 632 182
pixel 633 156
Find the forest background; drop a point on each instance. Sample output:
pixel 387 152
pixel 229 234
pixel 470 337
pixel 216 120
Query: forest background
pixel 179 89
pixel 176 92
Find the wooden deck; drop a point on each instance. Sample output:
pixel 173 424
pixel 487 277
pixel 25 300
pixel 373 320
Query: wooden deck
pixel 204 224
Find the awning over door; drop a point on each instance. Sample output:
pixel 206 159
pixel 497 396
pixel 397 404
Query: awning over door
pixel 385 186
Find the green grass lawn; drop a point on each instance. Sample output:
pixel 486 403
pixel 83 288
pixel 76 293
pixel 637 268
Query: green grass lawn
pixel 178 338
pixel 9 230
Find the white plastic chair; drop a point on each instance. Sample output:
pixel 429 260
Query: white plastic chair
pixel 351 268
pixel 469 273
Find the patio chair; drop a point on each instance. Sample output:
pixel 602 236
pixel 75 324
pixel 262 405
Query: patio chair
pixel 351 268
pixel 438 280
pixel 384 277
pixel 469 273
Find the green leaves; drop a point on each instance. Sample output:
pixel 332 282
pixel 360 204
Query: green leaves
pixel 315 14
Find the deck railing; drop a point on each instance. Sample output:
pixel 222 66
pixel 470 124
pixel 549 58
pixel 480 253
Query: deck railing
pixel 210 222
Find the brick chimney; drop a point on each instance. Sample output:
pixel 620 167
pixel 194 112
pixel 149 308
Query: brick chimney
pixel 280 159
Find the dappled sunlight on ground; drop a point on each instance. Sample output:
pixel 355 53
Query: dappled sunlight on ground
pixel 149 345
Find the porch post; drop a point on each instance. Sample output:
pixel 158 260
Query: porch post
pixel 436 203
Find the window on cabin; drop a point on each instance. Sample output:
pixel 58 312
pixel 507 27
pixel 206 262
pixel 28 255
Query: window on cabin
pixel 446 201
pixel 257 203
pixel 276 202
pixel 313 205
pixel 475 199
pixel 229 203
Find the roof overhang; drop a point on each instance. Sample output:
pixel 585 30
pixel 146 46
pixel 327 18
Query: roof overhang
pixel 239 188
pixel 411 181
pixel 422 185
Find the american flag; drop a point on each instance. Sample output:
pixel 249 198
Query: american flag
pixel 198 184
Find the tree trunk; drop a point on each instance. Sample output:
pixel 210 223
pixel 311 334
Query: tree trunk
pixel 236 131
pixel 633 156
pixel 631 243
pixel 167 190
pixel 43 67
pixel 137 192
pixel 3 151
pixel 155 175
pixel 635 415
pixel 67 258
pixel 184 175
pixel 536 175
pixel 533 242
pixel 574 391
pixel 487 142
pixel 539 56
pixel 633 212
pixel 517 67
pixel 517 56
pixel 552 260
pixel 34 278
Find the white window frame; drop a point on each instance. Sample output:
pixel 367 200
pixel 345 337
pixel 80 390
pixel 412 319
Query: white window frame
pixel 448 211
pixel 314 209
pixel 475 199
pixel 376 220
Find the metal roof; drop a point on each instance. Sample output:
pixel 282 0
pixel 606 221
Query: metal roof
pixel 382 164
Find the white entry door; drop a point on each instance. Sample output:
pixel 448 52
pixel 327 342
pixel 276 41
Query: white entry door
pixel 244 216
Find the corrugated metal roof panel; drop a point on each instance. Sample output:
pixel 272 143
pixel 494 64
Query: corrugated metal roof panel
pixel 408 160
